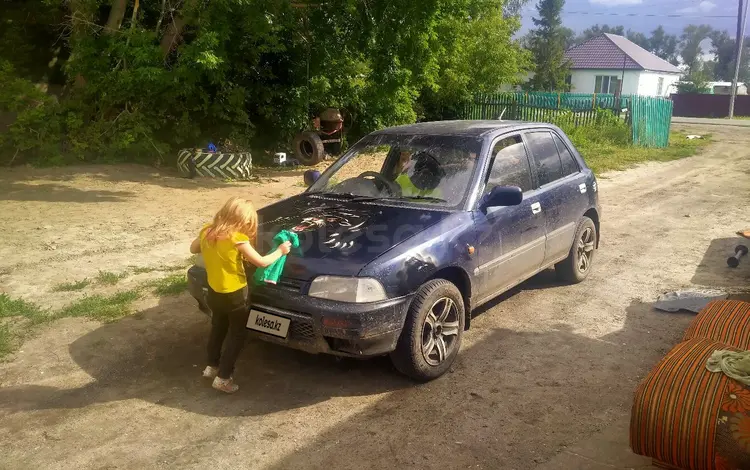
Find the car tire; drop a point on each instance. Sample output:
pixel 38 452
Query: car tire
pixel 309 149
pixel 577 266
pixel 432 333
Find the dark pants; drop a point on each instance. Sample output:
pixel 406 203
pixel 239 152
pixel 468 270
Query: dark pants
pixel 229 314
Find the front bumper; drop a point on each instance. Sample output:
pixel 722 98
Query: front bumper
pixel 319 325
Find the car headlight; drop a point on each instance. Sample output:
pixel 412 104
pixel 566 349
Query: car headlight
pixel 347 289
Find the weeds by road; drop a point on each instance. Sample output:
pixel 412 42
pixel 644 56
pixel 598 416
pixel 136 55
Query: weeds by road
pixel 606 156
pixel 19 318
pixel 71 286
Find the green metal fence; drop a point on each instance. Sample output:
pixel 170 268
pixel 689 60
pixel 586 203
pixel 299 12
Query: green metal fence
pixel 649 118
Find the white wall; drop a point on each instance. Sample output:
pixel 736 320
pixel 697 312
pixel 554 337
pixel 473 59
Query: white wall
pixel 635 82
pixel 648 85
pixel 583 81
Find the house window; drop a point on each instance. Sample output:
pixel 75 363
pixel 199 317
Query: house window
pixel 606 84
pixel 569 80
pixel 660 86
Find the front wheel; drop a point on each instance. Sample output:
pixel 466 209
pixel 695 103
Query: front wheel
pixel 431 337
pixel 577 266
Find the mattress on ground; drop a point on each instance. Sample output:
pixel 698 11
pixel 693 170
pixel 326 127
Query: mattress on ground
pixel 725 321
pixel 687 417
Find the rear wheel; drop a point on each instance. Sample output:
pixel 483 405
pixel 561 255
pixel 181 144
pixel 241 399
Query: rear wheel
pixel 431 337
pixel 577 266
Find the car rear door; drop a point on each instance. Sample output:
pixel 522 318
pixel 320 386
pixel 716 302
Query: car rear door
pixel 562 188
pixel 511 240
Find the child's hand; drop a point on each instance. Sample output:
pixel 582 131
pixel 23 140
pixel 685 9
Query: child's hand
pixel 285 248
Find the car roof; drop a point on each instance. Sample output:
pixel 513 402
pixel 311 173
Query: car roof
pixel 458 128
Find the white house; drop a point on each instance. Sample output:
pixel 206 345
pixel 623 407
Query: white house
pixel 604 63
pixel 725 88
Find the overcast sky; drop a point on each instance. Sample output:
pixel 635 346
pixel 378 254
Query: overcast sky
pixel 580 14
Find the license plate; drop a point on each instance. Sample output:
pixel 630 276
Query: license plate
pixel 267 323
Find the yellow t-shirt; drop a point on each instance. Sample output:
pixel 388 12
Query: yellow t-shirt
pixel 223 261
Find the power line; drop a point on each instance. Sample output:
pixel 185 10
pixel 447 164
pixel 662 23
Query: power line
pixel 651 15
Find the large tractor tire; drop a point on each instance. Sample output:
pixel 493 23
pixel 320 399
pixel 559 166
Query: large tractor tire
pixel 309 149
pixel 193 163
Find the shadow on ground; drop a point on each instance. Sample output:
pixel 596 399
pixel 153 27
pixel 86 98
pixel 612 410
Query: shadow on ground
pixel 713 270
pixel 60 193
pixel 19 179
pixel 512 398
pixel 158 354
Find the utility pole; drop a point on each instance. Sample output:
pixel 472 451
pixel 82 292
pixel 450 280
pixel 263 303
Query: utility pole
pixel 741 22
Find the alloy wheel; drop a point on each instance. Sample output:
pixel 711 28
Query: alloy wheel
pixel 440 331
pixel 585 249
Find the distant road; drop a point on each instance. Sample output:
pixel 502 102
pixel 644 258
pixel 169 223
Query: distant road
pixel 712 122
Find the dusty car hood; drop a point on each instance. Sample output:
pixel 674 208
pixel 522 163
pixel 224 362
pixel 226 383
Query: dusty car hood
pixel 339 236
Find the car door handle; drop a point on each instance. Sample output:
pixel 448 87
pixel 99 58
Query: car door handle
pixel 536 208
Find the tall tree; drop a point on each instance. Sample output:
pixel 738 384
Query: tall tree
pixel 640 39
pixel 548 47
pixel 723 47
pixel 569 36
pixel 664 45
pixel 691 50
pixel 598 30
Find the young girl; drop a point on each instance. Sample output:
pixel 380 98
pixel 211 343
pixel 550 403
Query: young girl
pixel 224 244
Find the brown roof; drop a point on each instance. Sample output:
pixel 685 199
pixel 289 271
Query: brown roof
pixel 610 51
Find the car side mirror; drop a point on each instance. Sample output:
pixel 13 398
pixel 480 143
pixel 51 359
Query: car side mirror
pixel 503 196
pixel 311 176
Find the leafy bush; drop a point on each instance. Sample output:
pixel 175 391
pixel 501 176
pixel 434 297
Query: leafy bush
pixel 37 127
pixel 606 128
pixel 248 72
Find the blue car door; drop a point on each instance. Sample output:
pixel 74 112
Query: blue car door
pixel 562 188
pixel 511 240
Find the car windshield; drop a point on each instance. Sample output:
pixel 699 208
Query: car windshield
pixel 418 169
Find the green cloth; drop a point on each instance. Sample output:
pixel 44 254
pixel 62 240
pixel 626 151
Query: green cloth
pixel 733 364
pixel 272 273
pixel 408 189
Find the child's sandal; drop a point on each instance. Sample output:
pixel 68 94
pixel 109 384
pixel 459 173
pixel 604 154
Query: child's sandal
pixel 225 385
pixel 210 372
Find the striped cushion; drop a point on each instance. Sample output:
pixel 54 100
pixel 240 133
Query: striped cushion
pixel 725 321
pixel 676 407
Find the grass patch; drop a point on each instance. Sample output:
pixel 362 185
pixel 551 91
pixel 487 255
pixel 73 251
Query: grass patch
pixel 100 307
pixel 604 156
pixel 143 269
pixel 109 278
pixel 71 286
pixel 174 284
pixel 19 308
pixel 174 267
pixel 7 341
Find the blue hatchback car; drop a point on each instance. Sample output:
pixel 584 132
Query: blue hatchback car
pixel 415 227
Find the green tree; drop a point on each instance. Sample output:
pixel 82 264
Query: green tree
pixel 547 43
pixel 145 78
pixel 696 82
pixel 640 39
pixel 664 45
pixel 690 46
pixel 598 30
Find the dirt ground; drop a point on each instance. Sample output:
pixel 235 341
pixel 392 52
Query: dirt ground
pixel 544 379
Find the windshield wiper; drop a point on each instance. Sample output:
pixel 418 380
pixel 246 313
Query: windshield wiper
pixel 421 198
pixel 348 196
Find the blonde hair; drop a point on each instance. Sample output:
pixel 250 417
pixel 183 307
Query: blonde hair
pixel 236 215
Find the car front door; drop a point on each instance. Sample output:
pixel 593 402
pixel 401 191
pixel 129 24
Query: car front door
pixel 511 240
pixel 562 188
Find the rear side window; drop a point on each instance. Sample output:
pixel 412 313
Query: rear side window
pixel 546 157
pixel 510 165
pixel 569 164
